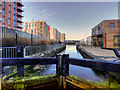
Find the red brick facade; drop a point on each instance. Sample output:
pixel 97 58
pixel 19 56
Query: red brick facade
pixel 105 33
pixel 11 15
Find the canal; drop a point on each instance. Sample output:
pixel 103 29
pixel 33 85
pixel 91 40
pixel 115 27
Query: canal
pixel 81 72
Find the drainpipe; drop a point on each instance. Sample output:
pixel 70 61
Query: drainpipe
pixel 105 39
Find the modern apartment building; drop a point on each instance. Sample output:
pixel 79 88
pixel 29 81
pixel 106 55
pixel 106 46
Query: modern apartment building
pixel 55 34
pixel 37 28
pixel 62 37
pixel 106 34
pixel 11 14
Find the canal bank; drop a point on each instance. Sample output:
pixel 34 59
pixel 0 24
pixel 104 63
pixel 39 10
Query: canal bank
pixel 96 53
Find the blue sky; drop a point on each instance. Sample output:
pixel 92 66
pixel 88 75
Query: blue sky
pixel 76 19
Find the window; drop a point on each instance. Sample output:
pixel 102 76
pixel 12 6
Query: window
pixel 3 5
pixel 9 15
pixel 40 23
pixel 3 19
pixel 3 12
pixel 14 23
pixel 41 27
pixel 14 4
pixel 112 25
pixel 25 24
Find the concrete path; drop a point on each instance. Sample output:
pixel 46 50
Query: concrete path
pixel 101 53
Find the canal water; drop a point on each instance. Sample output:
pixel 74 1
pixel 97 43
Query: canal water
pixel 82 72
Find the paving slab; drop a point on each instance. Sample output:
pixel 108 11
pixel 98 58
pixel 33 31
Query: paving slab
pixel 101 53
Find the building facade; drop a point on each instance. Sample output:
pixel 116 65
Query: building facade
pixel 88 40
pixel 55 34
pixel 106 34
pixel 62 37
pixel 11 14
pixel 37 28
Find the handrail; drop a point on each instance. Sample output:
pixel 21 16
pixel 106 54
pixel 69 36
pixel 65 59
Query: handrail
pixel 62 65
pixel 115 51
pixel 95 64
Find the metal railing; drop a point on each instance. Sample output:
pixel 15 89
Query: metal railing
pixel 115 51
pixel 29 50
pixel 62 65
pixel 8 52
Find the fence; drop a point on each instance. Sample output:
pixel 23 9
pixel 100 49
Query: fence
pixel 62 65
pixel 8 52
pixel 29 50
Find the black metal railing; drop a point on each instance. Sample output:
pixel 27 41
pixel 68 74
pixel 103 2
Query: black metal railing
pixel 62 65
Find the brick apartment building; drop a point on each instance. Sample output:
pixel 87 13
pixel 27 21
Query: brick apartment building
pixel 37 28
pixel 62 37
pixel 11 14
pixel 56 35
pixel 106 34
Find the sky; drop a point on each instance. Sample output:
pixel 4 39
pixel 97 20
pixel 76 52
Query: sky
pixel 75 19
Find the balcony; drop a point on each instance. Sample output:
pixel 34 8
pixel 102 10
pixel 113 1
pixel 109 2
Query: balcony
pixel 19 25
pixel 19 9
pixel 19 3
pixel 20 21
pixel 19 14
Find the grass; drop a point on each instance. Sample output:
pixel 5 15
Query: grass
pixel 21 83
pixel 102 84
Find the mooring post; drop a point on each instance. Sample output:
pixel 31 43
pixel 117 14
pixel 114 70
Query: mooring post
pixel 20 70
pixel 59 70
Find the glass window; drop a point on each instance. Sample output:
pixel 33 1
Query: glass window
pixel 3 5
pixel 3 24
pixel 14 4
pixel 40 23
pixel 9 15
pixel 14 23
pixel 25 24
pixel 14 17
pixel 9 26
pixel 112 25
pixel 3 19
pixel 3 12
